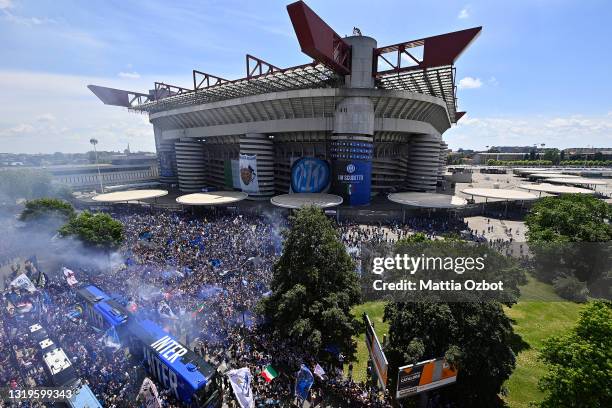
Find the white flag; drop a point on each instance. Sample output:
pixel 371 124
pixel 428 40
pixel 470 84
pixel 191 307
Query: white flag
pixel 148 392
pixel 70 279
pixel 23 282
pixel 318 371
pixel 241 384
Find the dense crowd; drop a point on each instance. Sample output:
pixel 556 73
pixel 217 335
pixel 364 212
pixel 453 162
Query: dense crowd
pixel 200 277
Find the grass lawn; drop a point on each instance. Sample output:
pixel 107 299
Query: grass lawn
pixel 539 314
pixel 534 321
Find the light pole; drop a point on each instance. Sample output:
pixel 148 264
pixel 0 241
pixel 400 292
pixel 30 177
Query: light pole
pixel 94 142
pixel 542 144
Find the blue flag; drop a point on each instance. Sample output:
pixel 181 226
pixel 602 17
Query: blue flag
pixel 303 382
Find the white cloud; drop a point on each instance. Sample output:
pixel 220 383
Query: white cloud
pixel 46 117
pixel 43 112
pixel 470 83
pixel 5 4
pixel 131 75
pixel 464 13
pixel 26 21
pixel 555 131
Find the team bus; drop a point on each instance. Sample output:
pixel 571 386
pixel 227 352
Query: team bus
pixel 188 376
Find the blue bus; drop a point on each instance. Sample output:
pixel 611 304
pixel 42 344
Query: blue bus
pixel 178 369
pixel 188 376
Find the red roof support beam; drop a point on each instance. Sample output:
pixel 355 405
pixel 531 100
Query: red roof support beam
pixel 439 50
pixel 260 67
pixel 318 40
pixel 202 80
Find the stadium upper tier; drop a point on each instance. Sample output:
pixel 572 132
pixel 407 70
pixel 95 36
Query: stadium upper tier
pixel 357 121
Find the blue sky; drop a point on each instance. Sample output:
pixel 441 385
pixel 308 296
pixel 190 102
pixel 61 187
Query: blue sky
pixel 539 72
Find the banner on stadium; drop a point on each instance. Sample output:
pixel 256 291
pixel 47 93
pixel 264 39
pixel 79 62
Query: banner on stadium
pixel 148 393
pixel 241 380
pixel 377 355
pixel 249 182
pixel 424 376
pixel 23 282
pixel 231 173
pixel 309 175
pixel 303 383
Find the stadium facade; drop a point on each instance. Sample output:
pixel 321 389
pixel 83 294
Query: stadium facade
pixel 357 121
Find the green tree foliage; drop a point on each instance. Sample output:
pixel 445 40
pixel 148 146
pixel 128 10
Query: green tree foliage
pixel 569 218
pixel 474 337
pixel 314 287
pixel 580 371
pixel 570 237
pixel 47 208
pixel 97 230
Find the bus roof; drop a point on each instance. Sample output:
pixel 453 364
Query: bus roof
pixel 112 312
pixel 191 367
pixel 84 398
pixel 92 294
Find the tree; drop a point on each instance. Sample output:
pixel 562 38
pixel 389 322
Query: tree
pixel 474 337
pixel 580 371
pixel 98 230
pixel 47 209
pixel 472 332
pixel 314 286
pixel 570 236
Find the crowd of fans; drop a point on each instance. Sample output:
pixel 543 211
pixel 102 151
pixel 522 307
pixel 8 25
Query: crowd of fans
pixel 200 277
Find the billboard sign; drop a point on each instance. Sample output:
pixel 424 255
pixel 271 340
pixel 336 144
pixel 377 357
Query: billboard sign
pixel 310 175
pixel 352 165
pixel 249 183
pixel 381 366
pixel 424 376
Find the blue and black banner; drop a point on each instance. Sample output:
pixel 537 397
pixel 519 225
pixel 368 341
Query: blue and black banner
pixel 352 170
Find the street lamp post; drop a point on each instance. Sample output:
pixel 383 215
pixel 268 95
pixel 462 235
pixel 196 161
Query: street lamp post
pixel 94 142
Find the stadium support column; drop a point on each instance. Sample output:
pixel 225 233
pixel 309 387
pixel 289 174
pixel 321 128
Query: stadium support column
pixel 166 158
pixel 257 166
pixel 351 145
pixel 191 165
pixel 423 161
pixel 442 160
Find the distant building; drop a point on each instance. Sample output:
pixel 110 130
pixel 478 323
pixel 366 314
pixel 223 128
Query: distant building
pixel 85 177
pixel 483 157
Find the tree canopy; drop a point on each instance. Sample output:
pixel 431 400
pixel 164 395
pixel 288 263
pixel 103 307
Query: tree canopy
pixel 580 362
pixel 475 337
pixel 569 218
pixel 570 239
pixel 314 287
pixel 47 208
pixel 97 230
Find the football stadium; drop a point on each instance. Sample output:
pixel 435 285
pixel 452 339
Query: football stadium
pixel 361 119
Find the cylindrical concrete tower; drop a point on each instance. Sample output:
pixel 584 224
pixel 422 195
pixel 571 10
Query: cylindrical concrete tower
pixel 442 161
pixel 257 166
pixel 423 160
pixel 191 165
pixel 351 146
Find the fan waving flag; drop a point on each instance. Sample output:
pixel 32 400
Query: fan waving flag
pixel 303 383
pixel 269 373
pixel 240 381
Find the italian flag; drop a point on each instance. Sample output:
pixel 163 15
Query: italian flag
pixel 269 373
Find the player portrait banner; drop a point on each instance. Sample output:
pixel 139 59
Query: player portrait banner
pixel 377 355
pixel 249 182
pixel 241 380
pixel 424 376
